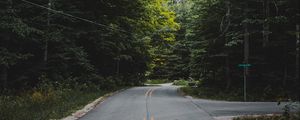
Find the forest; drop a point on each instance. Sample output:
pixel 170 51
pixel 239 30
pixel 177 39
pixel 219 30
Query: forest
pixel 110 40
pixel 87 45
pixel 216 37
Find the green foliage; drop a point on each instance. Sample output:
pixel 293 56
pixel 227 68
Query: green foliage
pixel 180 82
pixel 9 59
pixel 273 117
pixel 47 102
pixel 36 42
pixel 288 111
pixel 157 81
pixel 212 93
pixel 209 45
pixel 153 39
pixel 208 92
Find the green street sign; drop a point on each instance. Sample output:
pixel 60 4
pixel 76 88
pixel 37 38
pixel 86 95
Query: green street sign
pixel 244 65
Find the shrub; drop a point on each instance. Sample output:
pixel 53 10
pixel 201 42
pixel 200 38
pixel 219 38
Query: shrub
pixel 49 102
pixel 273 117
pixel 260 118
pixel 157 81
pixel 210 93
pixel 180 82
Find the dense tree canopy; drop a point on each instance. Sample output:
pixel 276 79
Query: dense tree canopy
pixel 218 35
pixel 80 40
pixel 122 42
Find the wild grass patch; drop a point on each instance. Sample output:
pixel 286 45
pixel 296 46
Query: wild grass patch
pixel 270 117
pixel 180 82
pixel 157 81
pixel 44 104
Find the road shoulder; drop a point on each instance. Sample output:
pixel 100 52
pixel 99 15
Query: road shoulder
pixel 82 112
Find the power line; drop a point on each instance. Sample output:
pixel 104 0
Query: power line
pixel 69 15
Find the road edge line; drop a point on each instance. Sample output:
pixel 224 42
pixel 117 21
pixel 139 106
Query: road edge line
pixel 191 101
pixel 87 108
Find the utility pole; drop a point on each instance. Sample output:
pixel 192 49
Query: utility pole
pixel 227 57
pixel 246 53
pixel 246 59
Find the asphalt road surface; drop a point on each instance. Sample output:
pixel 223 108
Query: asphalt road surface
pixel 164 103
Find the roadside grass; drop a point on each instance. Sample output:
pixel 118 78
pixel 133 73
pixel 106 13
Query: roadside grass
pixel 209 93
pixel 274 117
pixel 214 94
pixel 270 117
pixel 231 95
pixel 157 81
pixel 180 82
pixel 46 103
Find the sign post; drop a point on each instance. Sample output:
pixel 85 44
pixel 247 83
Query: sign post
pixel 245 66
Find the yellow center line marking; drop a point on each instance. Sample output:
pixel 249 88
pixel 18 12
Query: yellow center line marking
pixel 147 93
pixel 152 118
pixel 151 93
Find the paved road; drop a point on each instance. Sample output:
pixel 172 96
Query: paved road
pixel 163 103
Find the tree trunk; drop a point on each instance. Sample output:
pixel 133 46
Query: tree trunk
pixel 266 26
pixel 48 37
pixel 118 66
pixel 3 68
pixel 285 67
pixel 228 85
pixel 297 52
pixel 297 57
pixel 285 75
pixel 3 76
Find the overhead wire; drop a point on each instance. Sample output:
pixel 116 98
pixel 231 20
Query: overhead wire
pixel 76 17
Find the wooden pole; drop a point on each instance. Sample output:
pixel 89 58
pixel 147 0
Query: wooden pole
pixel 246 52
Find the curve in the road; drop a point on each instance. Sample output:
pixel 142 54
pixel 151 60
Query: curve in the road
pixel 164 103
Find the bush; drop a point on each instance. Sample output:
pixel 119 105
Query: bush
pixel 273 117
pixel 189 91
pixel 48 102
pixel 180 82
pixel 157 81
pixel 210 93
pixel 260 118
pixel 108 83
